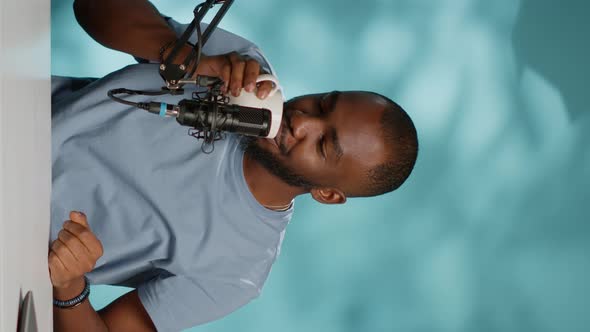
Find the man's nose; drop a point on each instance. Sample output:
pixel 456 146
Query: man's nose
pixel 305 125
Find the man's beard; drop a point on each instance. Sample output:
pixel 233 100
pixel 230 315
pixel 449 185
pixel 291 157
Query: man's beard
pixel 269 161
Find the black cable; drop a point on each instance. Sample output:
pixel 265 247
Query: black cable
pixel 144 106
pixel 197 50
pixel 198 47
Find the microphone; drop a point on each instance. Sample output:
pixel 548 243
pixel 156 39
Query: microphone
pixel 211 116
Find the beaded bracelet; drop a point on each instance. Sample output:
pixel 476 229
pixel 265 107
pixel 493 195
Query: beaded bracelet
pixel 69 304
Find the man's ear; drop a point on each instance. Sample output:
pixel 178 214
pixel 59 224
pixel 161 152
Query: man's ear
pixel 328 195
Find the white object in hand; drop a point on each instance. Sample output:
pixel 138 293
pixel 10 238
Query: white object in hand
pixel 273 102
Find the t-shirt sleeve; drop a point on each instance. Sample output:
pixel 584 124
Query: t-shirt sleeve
pixel 178 302
pixel 62 87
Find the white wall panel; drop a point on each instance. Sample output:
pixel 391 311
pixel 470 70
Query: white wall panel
pixel 25 181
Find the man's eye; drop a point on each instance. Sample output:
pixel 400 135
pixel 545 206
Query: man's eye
pixel 321 146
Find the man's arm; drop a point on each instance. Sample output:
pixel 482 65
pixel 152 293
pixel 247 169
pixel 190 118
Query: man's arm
pixel 73 254
pixel 131 26
pixel 136 27
pixel 124 314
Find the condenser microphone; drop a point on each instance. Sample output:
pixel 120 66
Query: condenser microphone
pixel 209 113
pixel 211 116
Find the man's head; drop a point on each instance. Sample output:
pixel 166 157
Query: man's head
pixel 340 144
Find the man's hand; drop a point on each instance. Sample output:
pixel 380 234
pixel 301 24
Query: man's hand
pixel 73 254
pixel 236 71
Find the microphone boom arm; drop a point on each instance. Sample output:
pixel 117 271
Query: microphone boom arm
pixel 175 75
pixel 208 112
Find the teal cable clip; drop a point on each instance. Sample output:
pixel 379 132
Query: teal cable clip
pixel 163 109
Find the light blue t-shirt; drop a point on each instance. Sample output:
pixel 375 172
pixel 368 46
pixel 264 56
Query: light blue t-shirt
pixel 179 225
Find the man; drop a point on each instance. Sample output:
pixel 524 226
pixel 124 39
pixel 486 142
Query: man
pixel 195 234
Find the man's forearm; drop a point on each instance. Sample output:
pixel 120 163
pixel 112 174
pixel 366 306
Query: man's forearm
pixel 130 26
pixel 80 318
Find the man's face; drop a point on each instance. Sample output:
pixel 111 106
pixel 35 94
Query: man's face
pixel 326 140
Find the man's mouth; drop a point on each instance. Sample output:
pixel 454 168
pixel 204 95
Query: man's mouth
pixel 279 135
pixel 283 133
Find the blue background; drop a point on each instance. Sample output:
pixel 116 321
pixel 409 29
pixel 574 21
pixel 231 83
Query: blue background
pixel 492 230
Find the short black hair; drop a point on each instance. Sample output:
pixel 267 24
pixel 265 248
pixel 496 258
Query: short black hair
pixel 400 136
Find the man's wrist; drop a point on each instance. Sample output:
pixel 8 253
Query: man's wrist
pixel 69 290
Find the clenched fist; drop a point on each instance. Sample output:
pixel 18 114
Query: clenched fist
pixel 74 252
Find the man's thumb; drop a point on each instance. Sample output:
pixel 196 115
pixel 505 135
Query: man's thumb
pixel 79 218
